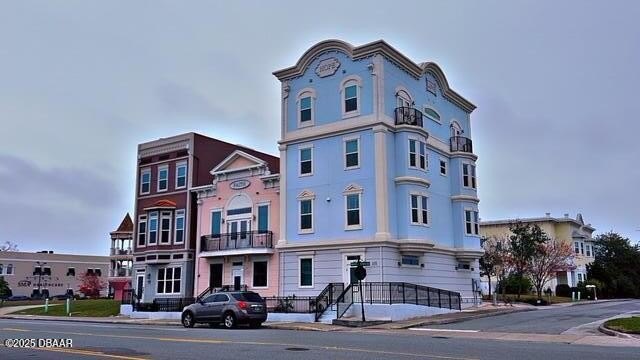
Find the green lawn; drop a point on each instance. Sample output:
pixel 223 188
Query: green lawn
pixel 27 302
pixel 79 308
pixel 523 297
pixel 628 325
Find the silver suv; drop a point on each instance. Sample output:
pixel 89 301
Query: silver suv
pixel 229 308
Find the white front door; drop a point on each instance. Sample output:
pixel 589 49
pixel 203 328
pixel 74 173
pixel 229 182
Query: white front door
pixel 238 278
pixel 239 232
pixel 348 276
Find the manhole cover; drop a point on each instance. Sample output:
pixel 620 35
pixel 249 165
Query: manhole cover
pixel 297 349
pixel 439 337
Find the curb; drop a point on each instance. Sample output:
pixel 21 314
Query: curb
pixel 461 319
pixel 605 330
pixel 71 319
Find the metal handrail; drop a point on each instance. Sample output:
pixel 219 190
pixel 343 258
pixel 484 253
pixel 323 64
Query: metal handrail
pixel 346 298
pixel 461 143
pixel 237 240
pixel 408 116
pixel 325 299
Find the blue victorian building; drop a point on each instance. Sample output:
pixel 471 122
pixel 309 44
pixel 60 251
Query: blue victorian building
pixel 377 164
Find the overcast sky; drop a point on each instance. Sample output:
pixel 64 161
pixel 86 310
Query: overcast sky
pixel 83 82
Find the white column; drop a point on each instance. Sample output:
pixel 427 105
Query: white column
pixel 283 194
pixel 382 192
pixel 196 258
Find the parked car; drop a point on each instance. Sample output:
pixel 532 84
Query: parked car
pixel 62 297
pixel 18 298
pixel 229 308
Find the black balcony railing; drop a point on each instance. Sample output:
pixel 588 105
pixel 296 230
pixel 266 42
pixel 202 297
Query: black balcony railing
pixel 461 143
pixel 408 116
pixel 238 240
pixel 291 304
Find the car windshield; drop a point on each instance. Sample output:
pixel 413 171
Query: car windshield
pixel 251 297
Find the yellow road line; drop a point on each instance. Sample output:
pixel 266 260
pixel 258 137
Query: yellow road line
pixel 13 329
pixel 219 341
pixel 90 353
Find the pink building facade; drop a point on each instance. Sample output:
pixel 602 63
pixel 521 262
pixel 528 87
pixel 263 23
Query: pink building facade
pixel 238 226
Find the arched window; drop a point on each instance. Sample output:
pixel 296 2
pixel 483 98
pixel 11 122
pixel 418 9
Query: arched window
pixel 350 92
pixel 306 107
pixel 432 114
pixel 403 99
pixel 456 129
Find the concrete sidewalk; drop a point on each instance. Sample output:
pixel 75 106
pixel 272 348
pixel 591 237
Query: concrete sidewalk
pixel 101 320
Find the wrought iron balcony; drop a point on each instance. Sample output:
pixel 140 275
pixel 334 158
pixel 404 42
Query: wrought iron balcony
pixel 118 251
pixel 408 116
pixel 461 143
pixel 237 240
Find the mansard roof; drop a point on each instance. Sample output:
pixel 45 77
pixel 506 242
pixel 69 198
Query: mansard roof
pixel 375 47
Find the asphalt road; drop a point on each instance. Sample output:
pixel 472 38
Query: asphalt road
pixel 548 321
pixel 111 341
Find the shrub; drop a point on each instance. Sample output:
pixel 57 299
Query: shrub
pixel 563 290
pixel 534 301
pixel 511 284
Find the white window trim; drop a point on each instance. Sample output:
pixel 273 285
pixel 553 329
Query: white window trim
pixel 344 146
pixel 306 92
pixel 475 178
pixel 257 212
pixel 300 229
pixel 221 211
pixel 157 217
pixel 178 165
pixel 410 265
pixel 346 82
pixel 464 222
pixel 179 213
pixel 353 227
pixel 446 167
pixel 144 219
pixel 426 155
pixel 300 148
pixel 420 209
pixel 253 271
pixel 13 269
pixel 313 265
pixel 172 280
pixel 430 117
pixel 160 168
pixel 163 215
pixel 142 172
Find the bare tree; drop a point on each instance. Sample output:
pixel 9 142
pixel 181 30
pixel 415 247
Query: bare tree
pixel 8 246
pixel 550 257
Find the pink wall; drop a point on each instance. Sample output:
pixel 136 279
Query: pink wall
pixel 258 194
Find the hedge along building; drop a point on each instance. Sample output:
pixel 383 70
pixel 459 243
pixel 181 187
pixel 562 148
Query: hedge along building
pixel 238 222
pixel 376 164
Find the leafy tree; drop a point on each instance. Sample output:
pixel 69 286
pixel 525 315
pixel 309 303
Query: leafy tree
pixel 8 246
pixel 493 260
pixel 524 244
pixel 91 285
pixel 5 291
pixel 616 266
pixel 551 256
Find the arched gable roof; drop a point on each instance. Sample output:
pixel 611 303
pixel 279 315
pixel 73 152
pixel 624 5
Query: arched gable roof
pixel 375 47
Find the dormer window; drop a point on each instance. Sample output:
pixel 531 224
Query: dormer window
pixel 306 98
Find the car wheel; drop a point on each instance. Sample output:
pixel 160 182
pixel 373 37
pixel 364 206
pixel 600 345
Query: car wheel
pixel 229 320
pixel 188 320
pixel 255 324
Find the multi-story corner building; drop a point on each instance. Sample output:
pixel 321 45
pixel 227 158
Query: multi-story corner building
pixel 376 164
pixel 165 220
pixel 121 258
pixel 45 274
pixel 238 223
pixel 572 231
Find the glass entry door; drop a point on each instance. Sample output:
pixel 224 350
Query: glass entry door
pixel 239 232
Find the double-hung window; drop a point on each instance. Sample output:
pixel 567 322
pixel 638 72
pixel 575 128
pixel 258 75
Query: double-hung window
pixel 471 222
pixel 306 161
pixel 305 110
pixel 417 154
pixel 420 213
pixel 353 218
pixel 169 280
pixel 576 247
pixel 142 230
pixel 443 167
pixel 145 181
pixel 589 250
pixel 9 270
pixel 582 248
pixel 351 98
pixel 469 176
pixel 260 273
pixel 153 228
pixel 351 153
pixel 306 215
pixel 179 236
pixel 165 227
pixel 306 272
pixel 181 175
pixel 163 178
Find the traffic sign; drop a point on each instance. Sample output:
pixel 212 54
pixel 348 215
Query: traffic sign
pixel 363 263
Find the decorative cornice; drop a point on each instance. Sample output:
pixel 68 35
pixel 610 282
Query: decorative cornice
pixel 465 198
pixel 400 180
pixel 367 50
pixel 465 155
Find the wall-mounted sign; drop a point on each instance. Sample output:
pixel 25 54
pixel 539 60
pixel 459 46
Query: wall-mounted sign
pixel 327 67
pixel 239 184
pixel 431 86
